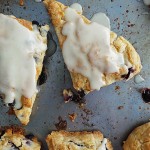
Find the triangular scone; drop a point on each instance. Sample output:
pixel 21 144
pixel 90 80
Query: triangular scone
pixel 77 140
pixel 14 138
pixel 119 44
pixel 23 113
pixel 139 139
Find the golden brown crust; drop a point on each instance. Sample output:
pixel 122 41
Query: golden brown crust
pixel 62 140
pixel 14 137
pixel 24 113
pixel 56 11
pixel 139 139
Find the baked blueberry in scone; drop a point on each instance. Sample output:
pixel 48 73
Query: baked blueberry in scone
pixel 12 138
pixel 94 55
pixel 139 139
pixel 22 49
pixel 63 140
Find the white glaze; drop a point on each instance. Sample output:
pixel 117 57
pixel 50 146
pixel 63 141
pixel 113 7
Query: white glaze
pixel 77 7
pixel 87 49
pixel 18 46
pixel 138 79
pixel 101 18
pixel 146 2
pixel 103 145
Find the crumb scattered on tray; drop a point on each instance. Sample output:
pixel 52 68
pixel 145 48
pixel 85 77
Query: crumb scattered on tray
pixel 72 117
pixel 62 124
pixel 87 111
pixel 120 107
pixel 21 2
pixel 11 111
pixel 140 107
pixel 117 88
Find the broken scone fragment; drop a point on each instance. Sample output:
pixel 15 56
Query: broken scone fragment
pixel 22 50
pixel 94 55
pixel 14 139
pixel 77 141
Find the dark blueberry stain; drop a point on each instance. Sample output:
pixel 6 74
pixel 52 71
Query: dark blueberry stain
pixel 51 44
pixel 34 22
pixel 146 95
pixel 77 97
pixel 43 77
pixel 2 133
pixel 12 104
pixel 126 76
pixel 13 146
pixel 29 136
pixel 80 145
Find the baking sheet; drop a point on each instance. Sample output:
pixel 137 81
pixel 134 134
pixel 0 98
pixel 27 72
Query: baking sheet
pixel 115 111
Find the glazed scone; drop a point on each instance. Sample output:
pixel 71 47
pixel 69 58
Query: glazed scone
pixel 139 139
pixel 63 140
pixel 22 49
pixel 90 67
pixel 14 139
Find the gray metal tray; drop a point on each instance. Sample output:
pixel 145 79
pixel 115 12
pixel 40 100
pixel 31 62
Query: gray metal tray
pixel 106 116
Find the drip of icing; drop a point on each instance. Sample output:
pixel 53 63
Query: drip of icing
pixel 18 46
pixel 38 1
pixel 146 2
pixel 87 49
pixel 77 7
pixel 102 19
pixel 103 145
pixel 138 79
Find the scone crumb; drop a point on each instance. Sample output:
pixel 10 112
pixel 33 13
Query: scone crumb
pixel 21 2
pixel 120 107
pixel 117 88
pixel 62 124
pixel 72 117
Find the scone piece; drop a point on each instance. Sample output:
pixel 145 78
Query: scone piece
pixel 63 140
pixel 14 139
pixel 81 79
pixel 139 139
pixel 21 63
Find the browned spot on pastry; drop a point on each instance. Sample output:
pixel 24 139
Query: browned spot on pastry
pixel 26 101
pixel 62 124
pixel 72 117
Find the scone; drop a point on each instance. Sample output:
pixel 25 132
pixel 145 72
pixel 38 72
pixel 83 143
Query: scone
pixel 14 139
pixel 94 56
pixel 22 49
pixel 139 139
pixel 62 140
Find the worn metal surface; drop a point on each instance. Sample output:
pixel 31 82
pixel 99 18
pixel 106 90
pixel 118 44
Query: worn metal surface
pixel 115 123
